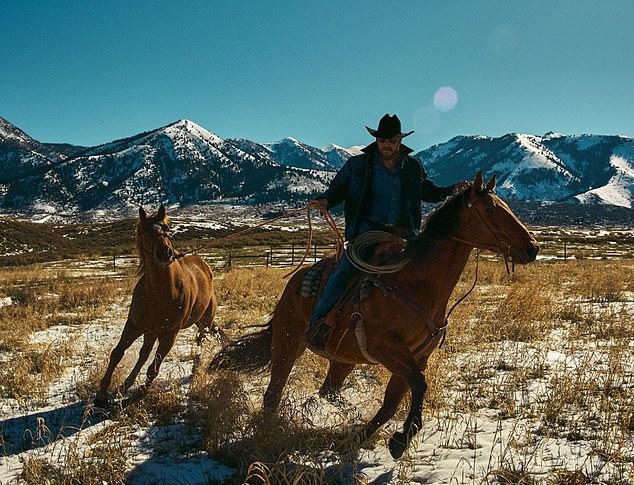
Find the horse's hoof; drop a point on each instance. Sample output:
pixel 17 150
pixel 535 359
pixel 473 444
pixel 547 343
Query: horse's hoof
pixel 101 399
pixel 128 383
pixel 397 445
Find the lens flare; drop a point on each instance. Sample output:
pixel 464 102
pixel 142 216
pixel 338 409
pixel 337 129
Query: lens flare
pixel 445 99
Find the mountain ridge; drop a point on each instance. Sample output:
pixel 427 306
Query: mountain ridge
pixel 183 163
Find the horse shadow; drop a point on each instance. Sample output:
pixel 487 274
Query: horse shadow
pixel 42 428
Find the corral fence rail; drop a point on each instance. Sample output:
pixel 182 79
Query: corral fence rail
pixel 251 256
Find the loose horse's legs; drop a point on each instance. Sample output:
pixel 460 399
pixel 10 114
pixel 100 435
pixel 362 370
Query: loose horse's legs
pixel 166 341
pixel 337 373
pixel 144 353
pixel 398 359
pixel 128 336
pixel 206 324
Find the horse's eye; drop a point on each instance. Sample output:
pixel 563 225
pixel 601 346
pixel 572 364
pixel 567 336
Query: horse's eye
pixel 489 210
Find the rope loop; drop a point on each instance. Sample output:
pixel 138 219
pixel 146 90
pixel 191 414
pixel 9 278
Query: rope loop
pixel 365 240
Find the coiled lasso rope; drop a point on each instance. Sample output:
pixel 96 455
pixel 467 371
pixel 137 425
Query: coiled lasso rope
pixel 370 238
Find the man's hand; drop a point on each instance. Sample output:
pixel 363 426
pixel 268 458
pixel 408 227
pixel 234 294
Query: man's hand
pixel 320 204
pixel 460 186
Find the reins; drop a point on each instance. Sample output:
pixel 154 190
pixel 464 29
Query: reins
pixel 475 282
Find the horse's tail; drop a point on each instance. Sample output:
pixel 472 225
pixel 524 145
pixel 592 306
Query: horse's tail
pixel 250 353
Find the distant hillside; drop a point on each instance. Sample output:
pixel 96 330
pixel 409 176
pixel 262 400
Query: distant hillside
pixel 183 163
pixel 589 169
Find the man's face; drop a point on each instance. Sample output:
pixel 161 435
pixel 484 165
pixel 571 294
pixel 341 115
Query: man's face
pixel 388 147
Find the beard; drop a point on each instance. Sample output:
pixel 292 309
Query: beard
pixel 388 153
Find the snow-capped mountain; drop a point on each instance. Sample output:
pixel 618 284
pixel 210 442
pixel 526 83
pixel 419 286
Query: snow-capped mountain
pixel 579 168
pixel 183 163
pixel 293 153
pixel 178 163
pixel 21 155
pixel 337 155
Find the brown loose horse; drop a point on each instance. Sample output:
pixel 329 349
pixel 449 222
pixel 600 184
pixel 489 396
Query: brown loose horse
pixel 404 316
pixel 172 293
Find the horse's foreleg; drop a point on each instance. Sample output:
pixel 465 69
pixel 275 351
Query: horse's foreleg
pixel 144 353
pixel 337 373
pixel 394 392
pixel 166 342
pixel 128 336
pixel 398 359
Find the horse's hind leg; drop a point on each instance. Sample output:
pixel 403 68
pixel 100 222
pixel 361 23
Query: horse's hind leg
pixel 287 346
pixel 128 336
pixel 337 373
pixel 144 353
pixel 206 326
pixel 166 342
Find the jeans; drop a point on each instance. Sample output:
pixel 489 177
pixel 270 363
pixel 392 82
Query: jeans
pixel 338 280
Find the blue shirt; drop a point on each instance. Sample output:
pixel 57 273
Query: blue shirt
pixel 384 201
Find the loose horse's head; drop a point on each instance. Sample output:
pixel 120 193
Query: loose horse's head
pixel 153 237
pixel 488 223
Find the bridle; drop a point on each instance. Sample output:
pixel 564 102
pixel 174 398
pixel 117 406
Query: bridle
pixel 149 253
pixel 502 247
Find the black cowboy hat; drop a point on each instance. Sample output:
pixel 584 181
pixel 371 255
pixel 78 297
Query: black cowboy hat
pixel 389 127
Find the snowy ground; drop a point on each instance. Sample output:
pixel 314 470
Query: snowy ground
pixel 495 425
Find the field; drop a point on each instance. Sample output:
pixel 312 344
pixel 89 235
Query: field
pixel 533 384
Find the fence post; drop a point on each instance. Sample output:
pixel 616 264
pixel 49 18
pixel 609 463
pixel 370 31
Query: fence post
pixel 114 262
pixel 292 255
pixel 315 253
pixel 229 261
pixel 268 255
pixel 565 251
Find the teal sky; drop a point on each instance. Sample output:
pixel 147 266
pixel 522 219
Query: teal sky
pixel 89 72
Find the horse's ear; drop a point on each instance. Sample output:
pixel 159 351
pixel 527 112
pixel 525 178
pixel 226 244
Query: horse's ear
pixel 142 214
pixel 161 213
pixel 476 188
pixel 491 184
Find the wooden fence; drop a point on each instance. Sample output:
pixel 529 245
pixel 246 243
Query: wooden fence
pixel 252 256
pixel 291 255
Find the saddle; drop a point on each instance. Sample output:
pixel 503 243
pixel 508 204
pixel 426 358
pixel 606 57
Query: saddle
pixel 358 288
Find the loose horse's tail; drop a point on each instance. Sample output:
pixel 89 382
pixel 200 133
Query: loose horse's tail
pixel 251 353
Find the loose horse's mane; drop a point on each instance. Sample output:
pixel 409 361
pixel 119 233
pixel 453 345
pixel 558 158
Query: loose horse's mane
pixel 441 223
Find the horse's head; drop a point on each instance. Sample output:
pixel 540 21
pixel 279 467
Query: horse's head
pixel 488 223
pixel 154 237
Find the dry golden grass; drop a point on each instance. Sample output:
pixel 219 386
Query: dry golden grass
pixel 39 300
pixel 247 295
pixel 28 373
pixel 495 351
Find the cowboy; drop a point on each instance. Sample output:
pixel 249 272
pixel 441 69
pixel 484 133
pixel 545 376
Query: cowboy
pixel 382 190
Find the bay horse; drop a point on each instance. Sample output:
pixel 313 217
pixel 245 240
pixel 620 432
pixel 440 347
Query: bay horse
pixel 171 293
pixel 403 315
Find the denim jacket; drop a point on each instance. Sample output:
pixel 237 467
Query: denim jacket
pixel 352 183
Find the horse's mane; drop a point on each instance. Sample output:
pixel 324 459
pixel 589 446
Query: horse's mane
pixel 441 223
